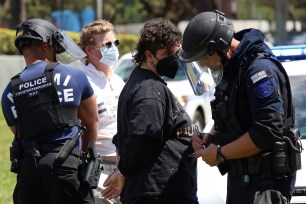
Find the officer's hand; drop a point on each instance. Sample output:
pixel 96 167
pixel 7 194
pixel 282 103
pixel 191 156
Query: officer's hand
pixel 212 138
pixel 209 155
pixel 196 142
pixel 208 138
pixel 114 185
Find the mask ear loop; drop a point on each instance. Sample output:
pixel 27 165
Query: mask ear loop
pixel 94 55
pixel 155 58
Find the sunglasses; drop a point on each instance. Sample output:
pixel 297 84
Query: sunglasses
pixel 109 44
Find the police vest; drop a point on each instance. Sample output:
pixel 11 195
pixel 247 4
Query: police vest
pixel 224 112
pixel 225 104
pixel 38 107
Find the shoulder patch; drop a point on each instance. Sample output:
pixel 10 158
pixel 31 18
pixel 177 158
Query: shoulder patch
pixel 264 89
pixel 259 76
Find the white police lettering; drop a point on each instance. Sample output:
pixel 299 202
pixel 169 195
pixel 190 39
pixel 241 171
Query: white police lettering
pixel 33 87
pixel 67 80
pixel 66 93
pixel 10 97
pixel 32 83
pixel 14 111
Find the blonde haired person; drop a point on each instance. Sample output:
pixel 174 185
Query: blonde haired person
pixel 99 42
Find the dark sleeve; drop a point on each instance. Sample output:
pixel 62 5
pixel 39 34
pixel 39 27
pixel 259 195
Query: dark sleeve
pixel 266 103
pixel 144 138
pixel 141 150
pixel 114 140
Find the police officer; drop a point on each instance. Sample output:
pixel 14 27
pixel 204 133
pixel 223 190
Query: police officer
pixel 45 105
pixel 252 110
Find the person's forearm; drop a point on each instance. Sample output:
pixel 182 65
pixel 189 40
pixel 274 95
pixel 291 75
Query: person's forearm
pixel 88 114
pixel 240 148
pixel 89 135
pixel 13 129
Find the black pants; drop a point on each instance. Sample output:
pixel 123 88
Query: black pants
pixel 37 182
pixel 238 192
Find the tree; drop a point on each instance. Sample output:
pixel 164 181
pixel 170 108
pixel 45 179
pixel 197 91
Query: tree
pixel 18 9
pixel 174 10
pixel 130 11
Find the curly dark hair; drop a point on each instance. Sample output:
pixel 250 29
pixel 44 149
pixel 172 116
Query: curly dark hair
pixel 157 33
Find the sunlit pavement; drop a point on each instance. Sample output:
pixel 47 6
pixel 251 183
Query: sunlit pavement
pixel 211 185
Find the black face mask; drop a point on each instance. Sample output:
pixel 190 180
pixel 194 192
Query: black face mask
pixel 167 66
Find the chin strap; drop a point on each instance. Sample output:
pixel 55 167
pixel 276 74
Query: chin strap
pixel 223 56
pixel 54 59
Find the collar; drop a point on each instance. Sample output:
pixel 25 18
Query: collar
pixel 90 68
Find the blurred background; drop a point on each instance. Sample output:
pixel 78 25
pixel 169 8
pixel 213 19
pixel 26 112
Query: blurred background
pixel 128 15
pixel 282 21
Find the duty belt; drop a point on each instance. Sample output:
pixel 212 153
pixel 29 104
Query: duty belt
pixel 49 148
pixel 249 165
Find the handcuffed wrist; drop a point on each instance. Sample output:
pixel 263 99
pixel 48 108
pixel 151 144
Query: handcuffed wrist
pixel 121 174
pixel 117 170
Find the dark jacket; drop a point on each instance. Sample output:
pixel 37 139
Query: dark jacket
pixel 258 102
pixel 153 142
pixel 256 97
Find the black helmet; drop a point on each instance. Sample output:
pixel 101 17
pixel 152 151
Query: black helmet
pixel 206 33
pixel 38 29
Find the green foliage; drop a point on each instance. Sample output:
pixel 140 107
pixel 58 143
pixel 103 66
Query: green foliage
pixel 7 179
pixel 74 36
pixel 39 8
pixel 127 43
pixel 7 39
pixel 130 12
pixel 75 5
pixel 249 9
pixel 134 11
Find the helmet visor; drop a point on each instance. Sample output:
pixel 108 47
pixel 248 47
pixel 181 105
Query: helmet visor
pixel 68 50
pixel 189 56
pixel 200 78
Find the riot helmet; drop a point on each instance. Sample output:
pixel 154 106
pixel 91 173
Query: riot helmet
pixel 66 49
pixel 206 34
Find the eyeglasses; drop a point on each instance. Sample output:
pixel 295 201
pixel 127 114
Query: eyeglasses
pixel 109 44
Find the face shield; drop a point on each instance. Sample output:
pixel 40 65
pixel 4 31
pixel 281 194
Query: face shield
pixel 67 51
pixel 202 79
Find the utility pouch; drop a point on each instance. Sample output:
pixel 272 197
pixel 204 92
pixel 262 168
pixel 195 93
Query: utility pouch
pixel 236 167
pixel 295 149
pixel 219 112
pixel 223 167
pixel 15 156
pixel 93 168
pixel 280 159
pixel 253 164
